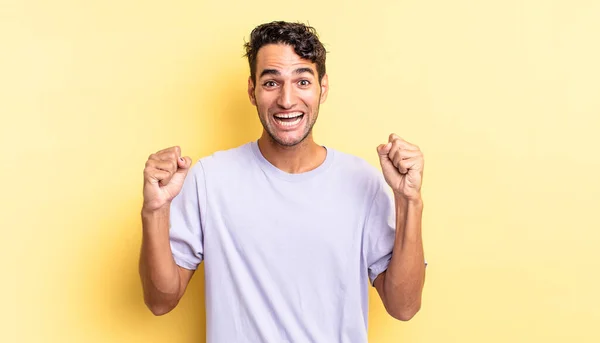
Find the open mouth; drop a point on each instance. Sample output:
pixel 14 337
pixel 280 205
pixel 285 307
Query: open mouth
pixel 288 120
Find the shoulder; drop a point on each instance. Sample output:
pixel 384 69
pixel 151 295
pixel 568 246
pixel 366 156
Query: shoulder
pixel 227 158
pixel 357 170
pixel 355 165
pixel 223 161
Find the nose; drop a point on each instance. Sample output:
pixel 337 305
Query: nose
pixel 287 98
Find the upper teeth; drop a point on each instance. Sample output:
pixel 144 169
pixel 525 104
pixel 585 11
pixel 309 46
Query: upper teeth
pixel 288 115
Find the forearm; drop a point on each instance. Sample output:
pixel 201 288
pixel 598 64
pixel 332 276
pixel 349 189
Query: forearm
pixel 405 275
pixel 158 271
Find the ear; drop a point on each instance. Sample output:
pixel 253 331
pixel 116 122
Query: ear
pixel 324 88
pixel 251 91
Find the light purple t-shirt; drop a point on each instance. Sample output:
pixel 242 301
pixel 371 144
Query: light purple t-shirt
pixel 287 257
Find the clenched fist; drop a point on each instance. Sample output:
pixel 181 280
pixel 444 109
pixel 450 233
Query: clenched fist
pixel 164 174
pixel 402 167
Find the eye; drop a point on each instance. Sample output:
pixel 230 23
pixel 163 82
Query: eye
pixel 270 84
pixel 304 83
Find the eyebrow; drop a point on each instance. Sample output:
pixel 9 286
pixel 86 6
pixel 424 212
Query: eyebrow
pixel 277 73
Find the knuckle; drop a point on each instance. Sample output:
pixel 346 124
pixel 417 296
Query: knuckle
pixel 149 175
pixel 163 166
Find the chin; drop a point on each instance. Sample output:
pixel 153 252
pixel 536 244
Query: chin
pixel 288 141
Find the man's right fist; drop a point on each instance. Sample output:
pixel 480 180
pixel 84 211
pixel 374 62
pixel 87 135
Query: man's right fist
pixel 164 174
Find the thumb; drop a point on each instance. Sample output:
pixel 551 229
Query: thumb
pixel 383 150
pixel 183 164
pixel 173 187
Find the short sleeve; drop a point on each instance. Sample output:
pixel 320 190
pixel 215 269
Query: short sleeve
pixel 186 220
pixel 380 232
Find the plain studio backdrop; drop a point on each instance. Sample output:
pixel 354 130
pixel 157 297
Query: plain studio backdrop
pixel 503 97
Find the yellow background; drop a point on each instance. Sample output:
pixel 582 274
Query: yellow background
pixel 503 97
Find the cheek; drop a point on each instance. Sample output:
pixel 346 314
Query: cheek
pixel 309 97
pixel 312 99
pixel 264 100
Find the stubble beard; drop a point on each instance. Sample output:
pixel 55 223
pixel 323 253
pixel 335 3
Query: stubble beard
pixel 275 139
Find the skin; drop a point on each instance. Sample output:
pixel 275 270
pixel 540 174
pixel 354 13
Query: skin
pixel 401 285
pixel 163 281
pixel 286 84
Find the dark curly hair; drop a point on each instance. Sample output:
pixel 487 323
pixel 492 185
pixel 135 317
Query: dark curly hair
pixel 301 37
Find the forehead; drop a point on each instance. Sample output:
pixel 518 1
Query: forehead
pixel 280 57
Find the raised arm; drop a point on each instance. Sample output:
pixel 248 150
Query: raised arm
pixel 400 286
pixel 163 281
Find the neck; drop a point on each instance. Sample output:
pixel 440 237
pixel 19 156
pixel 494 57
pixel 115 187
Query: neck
pixel 300 158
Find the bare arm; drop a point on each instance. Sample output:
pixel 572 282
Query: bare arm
pixel 400 286
pixel 163 281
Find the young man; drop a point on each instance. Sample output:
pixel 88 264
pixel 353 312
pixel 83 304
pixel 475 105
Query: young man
pixel 290 232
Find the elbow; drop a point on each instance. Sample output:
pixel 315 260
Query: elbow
pixel 159 308
pixel 407 313
pixel 159 303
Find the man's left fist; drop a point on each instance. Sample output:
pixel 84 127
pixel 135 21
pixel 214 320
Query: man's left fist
pixel 402 167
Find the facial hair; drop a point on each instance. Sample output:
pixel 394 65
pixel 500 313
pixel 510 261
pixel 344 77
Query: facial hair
pixel 264 122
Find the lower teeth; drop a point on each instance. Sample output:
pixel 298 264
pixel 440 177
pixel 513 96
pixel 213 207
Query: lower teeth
pixel 289 123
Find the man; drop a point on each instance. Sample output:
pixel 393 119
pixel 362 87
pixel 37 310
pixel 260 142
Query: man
pixel 290 231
